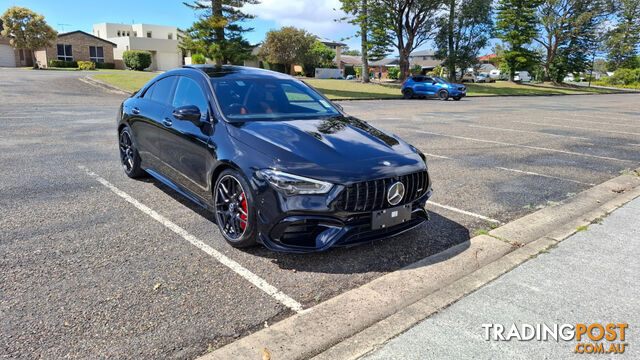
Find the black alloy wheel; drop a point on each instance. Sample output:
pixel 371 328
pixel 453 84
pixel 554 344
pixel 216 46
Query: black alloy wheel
pixel 234 213
pixel 129 155
pixel 407 93
pixel 443 95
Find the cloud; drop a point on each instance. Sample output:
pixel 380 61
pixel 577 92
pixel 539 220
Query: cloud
pixel 315 16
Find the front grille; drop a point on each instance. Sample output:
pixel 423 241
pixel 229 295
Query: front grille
pixel 372 195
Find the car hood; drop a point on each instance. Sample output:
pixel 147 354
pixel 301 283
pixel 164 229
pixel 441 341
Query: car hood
pixel 338 149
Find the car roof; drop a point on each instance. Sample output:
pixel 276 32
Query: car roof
pixel 235 72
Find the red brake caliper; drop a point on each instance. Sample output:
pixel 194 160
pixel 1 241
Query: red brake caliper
pixel 243 204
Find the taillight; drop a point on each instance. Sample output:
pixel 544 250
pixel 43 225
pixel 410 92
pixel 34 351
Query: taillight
pixel 404 83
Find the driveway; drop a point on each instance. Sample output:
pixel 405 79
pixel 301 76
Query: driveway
pixel 96 265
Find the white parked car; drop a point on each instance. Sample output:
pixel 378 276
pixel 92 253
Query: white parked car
pixel 494 74
pixel 522 76
pixel 569 78
pixel 484 78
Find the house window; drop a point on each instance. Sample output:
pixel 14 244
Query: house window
pixel 170 36
pixel 128 33
pixel 135 33
pixel 96 54
pixel 118 32
pixel 148 34
pixel 65 52
pixel 425 58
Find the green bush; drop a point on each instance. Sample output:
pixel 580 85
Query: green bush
pixel 393 72
pixel 416 69
pixel 136 59
pixel 624 77
pixel 100 65
pixel 86 65
pixel 198 59
pixel 63 64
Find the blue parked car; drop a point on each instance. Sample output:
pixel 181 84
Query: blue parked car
pixel 424 85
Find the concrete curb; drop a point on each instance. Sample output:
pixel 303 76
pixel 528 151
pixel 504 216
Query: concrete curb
pixel 371 314
pixel 89 79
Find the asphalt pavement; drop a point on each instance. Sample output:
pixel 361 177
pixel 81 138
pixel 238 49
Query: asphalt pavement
pixel 589 278
pixel 86 274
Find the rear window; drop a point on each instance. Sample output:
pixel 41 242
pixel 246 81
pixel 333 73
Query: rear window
pixel 269 99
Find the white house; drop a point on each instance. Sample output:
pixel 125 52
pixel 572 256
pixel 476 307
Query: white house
pixel 161 41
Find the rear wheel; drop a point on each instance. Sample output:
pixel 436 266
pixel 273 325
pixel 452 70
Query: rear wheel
pixel 408 93
pixel 129 157
pixel 443 94
pixel 234 208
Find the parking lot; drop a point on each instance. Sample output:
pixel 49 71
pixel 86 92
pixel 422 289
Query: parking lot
pixel 96 265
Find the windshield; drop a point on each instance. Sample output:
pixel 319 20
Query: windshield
pixel 269 99
pixel 440 80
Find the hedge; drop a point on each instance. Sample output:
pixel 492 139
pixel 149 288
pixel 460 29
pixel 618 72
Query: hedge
pixel 136 59
pixel 198 59
pixel 105 65
pixel 63 64
pixel 86 65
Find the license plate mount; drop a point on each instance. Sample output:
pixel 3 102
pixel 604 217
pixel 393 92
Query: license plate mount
pixel 386 218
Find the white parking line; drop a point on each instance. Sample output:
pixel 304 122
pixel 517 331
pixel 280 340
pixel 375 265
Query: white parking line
pixel 469 213
pixel 525 146
pixel 529 132
pixel 590 121
pixel 576 127
pixel 519 171
pixel 254 279
pixel 543 175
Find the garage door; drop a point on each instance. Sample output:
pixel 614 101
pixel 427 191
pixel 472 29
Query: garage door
pixel 7 56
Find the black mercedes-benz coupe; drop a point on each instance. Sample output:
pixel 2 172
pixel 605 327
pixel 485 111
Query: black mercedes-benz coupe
pixel 272 158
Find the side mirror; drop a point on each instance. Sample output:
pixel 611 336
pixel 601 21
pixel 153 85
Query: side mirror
pixel 338 106
pixel 188 113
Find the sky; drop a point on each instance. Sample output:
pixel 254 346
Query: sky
pixel 316 16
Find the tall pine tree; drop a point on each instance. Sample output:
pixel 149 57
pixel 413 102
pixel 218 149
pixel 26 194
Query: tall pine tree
pixel 516 26
pixel 218 33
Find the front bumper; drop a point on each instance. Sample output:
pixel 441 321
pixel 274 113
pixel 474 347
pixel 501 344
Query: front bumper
pixel 307 231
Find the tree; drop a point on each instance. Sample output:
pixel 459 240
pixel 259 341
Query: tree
pixel 568 32
pixel 349 52
pixel 624 39
pixel 287 46
pixel 27 30
pixel 463 33
pixel 217 34
pixel 320 55
pixel 516 27
pixel 410 24
pixel 374 40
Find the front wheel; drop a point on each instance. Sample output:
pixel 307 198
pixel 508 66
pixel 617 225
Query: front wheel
pixel 443 95
pixel 407 93
pixel 234 208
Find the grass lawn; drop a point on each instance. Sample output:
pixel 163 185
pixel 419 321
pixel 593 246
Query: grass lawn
pixel 343 89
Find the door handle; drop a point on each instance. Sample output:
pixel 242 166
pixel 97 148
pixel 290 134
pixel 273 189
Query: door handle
pixel 167 122
pixel 135 110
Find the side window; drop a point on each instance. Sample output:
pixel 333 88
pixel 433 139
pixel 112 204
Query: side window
pixel 428 80
pixel 149 92
pixel 188 92
pixel 162 90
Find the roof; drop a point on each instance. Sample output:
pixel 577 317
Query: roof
pixel 487 57
pixel 423 53
pixel 351 60
pixel 385 62
pixel 87 34
pixel 330 42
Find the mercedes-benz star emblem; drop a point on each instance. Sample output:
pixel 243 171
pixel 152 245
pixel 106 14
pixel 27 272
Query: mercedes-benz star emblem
pixel 395 193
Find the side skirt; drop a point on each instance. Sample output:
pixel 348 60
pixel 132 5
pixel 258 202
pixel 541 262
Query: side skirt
pixel 178 189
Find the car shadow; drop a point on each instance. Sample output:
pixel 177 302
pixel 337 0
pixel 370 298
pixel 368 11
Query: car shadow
pixel 381 256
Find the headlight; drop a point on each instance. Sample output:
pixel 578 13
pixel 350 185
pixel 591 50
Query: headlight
pixel 290 184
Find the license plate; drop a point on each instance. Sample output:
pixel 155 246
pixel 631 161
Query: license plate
pixel 383 219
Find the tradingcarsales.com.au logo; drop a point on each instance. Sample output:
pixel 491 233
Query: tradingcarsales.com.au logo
pixel 593 338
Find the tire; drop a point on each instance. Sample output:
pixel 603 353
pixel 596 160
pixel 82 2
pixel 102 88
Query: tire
pixel 234 209
pixel 408 93
pixel 457 98
pixel 129 157
pixel 443 95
